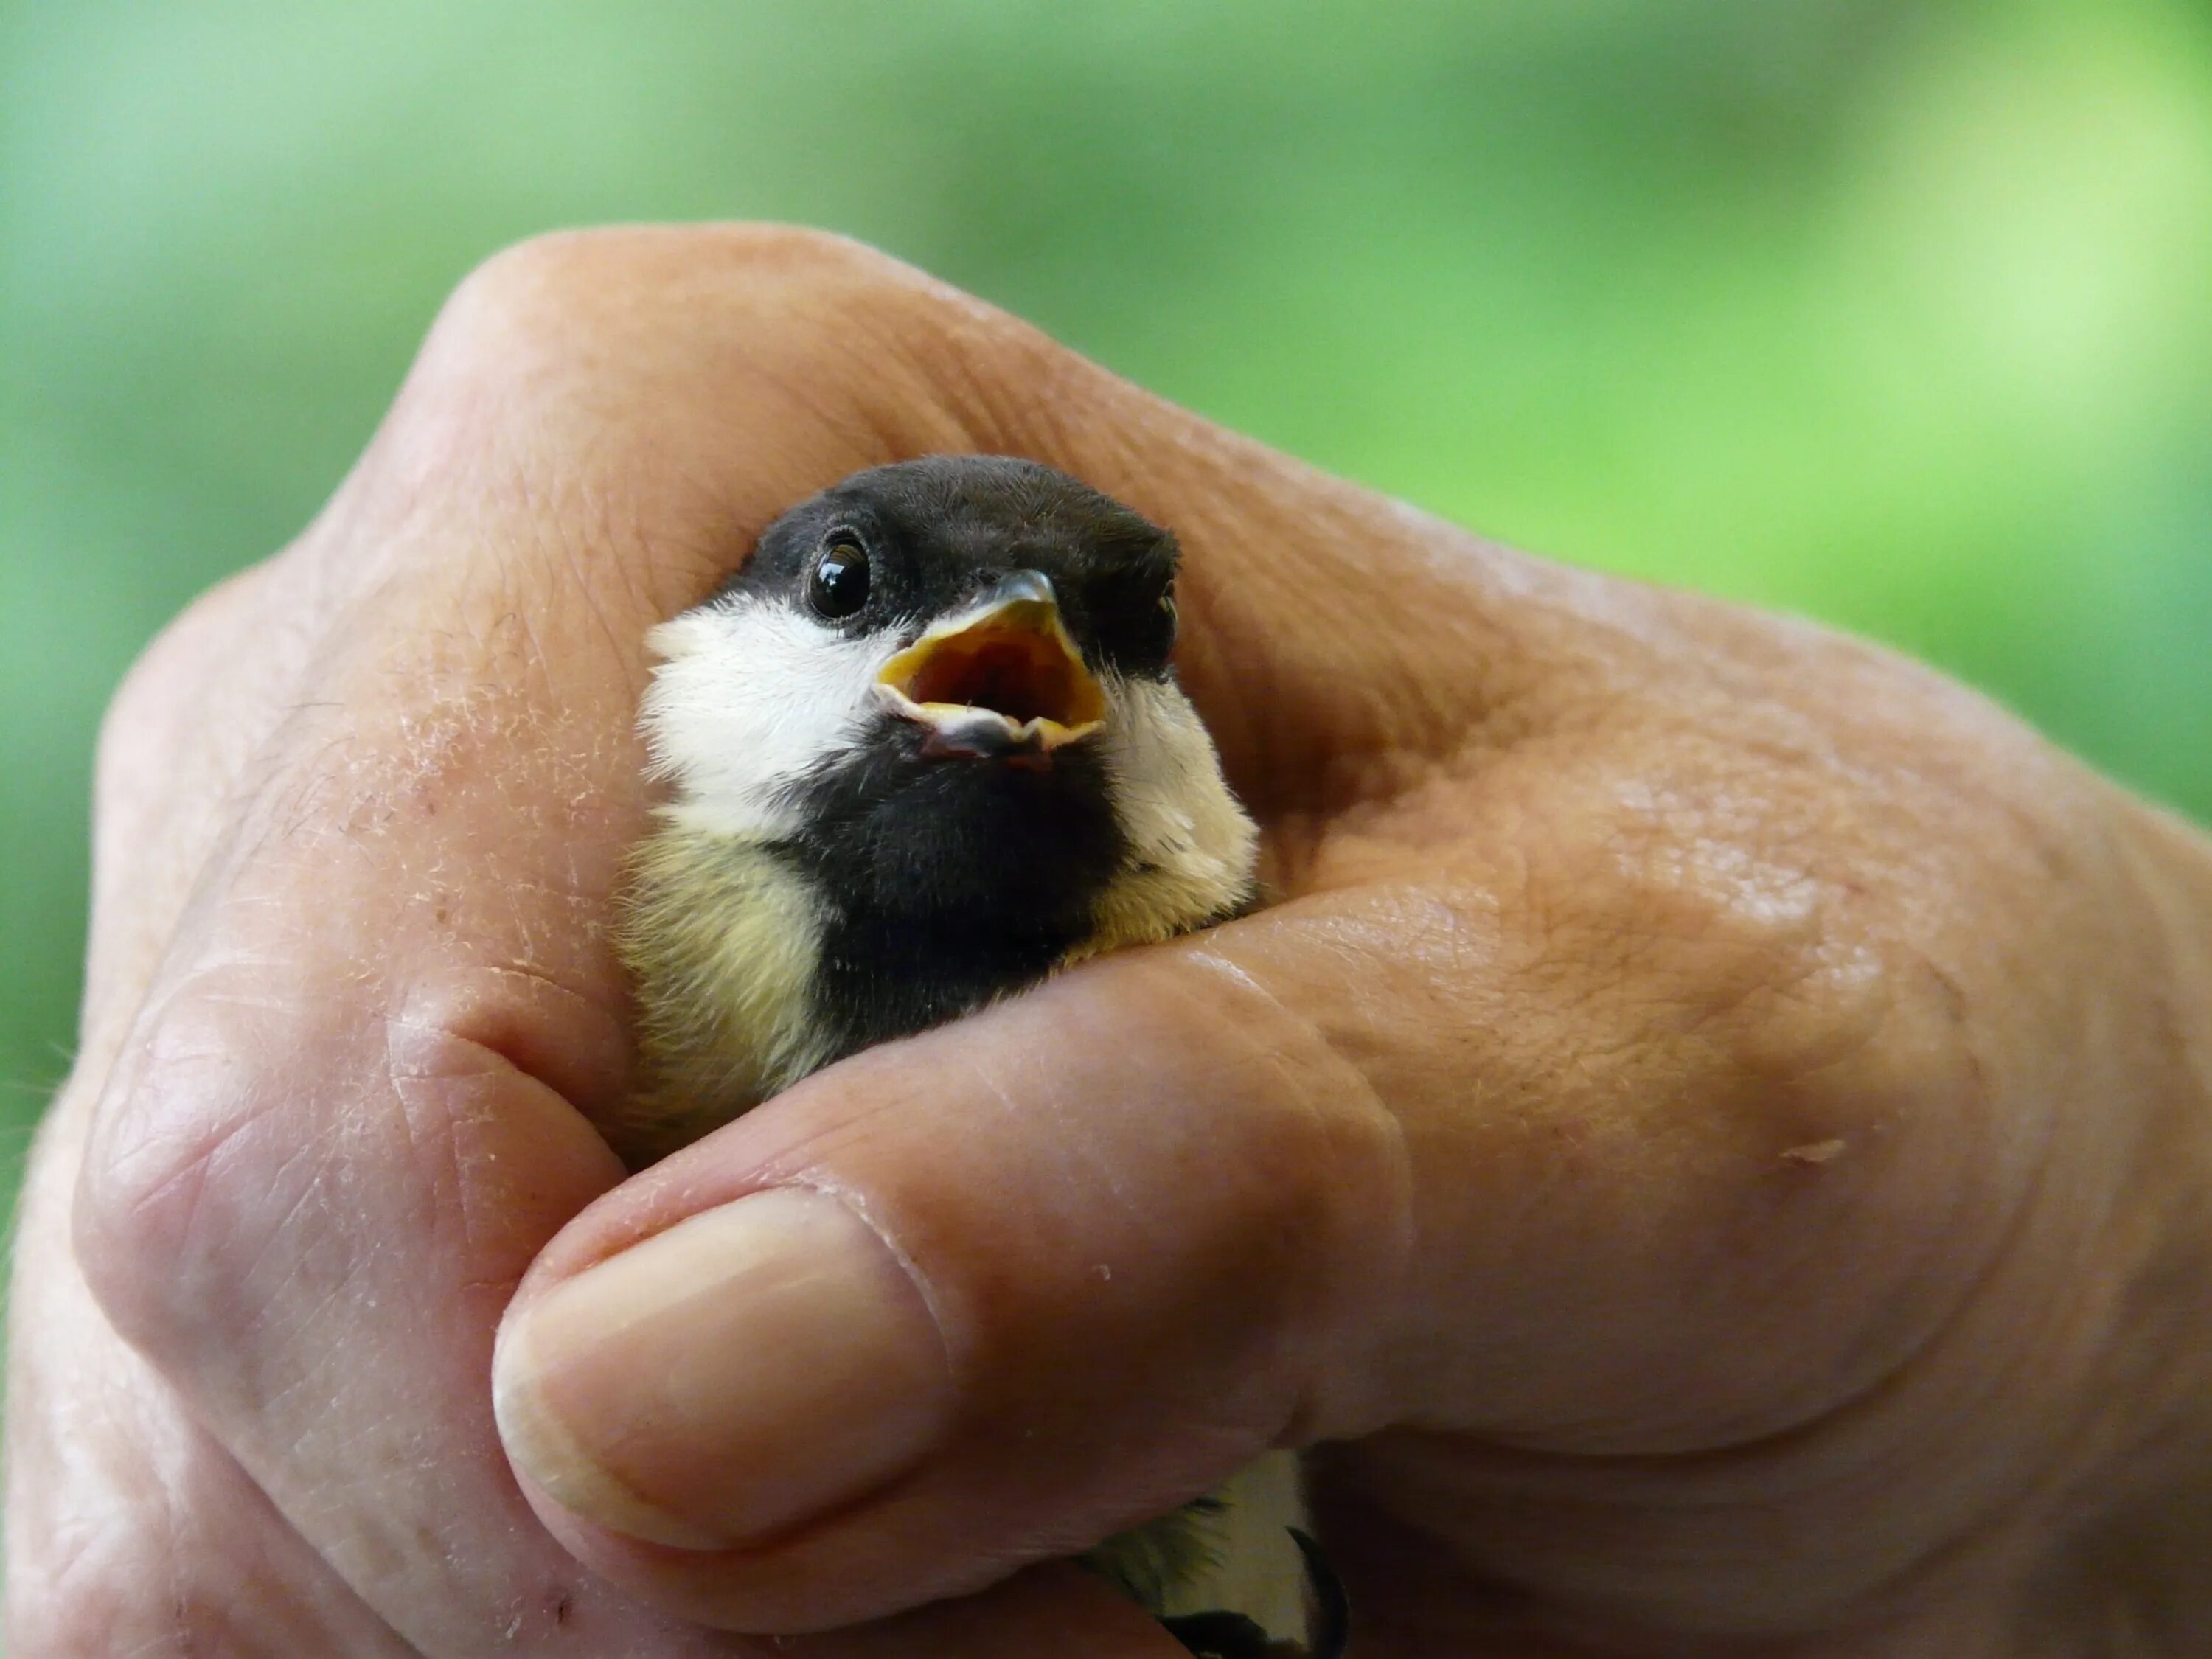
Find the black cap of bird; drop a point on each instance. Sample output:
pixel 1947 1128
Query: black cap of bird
pixel 924 748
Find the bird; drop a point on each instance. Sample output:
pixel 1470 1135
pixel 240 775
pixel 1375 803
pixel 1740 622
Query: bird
pixel 921 750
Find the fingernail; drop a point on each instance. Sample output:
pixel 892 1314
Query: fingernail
pixel 745 1371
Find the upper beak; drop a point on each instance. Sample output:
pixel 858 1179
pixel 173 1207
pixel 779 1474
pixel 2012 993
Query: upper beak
pixel 1001 678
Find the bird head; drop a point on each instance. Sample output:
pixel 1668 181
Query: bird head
pixel 947 683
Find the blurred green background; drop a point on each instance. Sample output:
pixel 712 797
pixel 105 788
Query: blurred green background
pixel 1897 314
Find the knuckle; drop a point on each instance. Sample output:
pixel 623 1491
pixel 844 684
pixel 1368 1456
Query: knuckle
pixel 184 1171
pixel 88 1620
pixel 93 1569
pixel 221 1179
pixel 545 287
pixel 558 301
pixel 142 717
pixel 555 331
pixel 97 1587
pixel 99 1600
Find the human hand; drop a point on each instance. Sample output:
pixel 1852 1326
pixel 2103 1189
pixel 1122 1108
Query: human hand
pixel 1712 1138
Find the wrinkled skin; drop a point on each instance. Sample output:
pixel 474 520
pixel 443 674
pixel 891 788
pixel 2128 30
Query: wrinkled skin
pixel 1715 1135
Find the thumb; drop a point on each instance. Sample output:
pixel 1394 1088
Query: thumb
pixel 1358 1162
pixel 972 1299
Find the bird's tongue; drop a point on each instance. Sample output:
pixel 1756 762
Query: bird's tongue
pixel 1009 677
pixel 1022 675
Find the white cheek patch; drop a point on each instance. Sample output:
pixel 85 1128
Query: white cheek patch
pixel 748 697
pixel 1192 848
pixel 1167 778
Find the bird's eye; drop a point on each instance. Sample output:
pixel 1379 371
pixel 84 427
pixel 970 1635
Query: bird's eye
pixel 839 585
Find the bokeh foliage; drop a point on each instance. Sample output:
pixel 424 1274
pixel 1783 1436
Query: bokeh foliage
pixel 1896 313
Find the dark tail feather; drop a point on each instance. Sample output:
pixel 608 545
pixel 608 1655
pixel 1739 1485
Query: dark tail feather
pixel 1332 1630
pixel 1220 1635
pixel 1232 1635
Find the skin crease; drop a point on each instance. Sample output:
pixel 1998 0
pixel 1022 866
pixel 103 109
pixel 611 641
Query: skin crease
pixel 1715 1136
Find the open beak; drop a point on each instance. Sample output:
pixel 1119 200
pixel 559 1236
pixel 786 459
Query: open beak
pixel 1001 679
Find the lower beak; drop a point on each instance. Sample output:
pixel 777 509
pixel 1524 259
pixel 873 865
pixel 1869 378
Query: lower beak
pixel 1002 678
